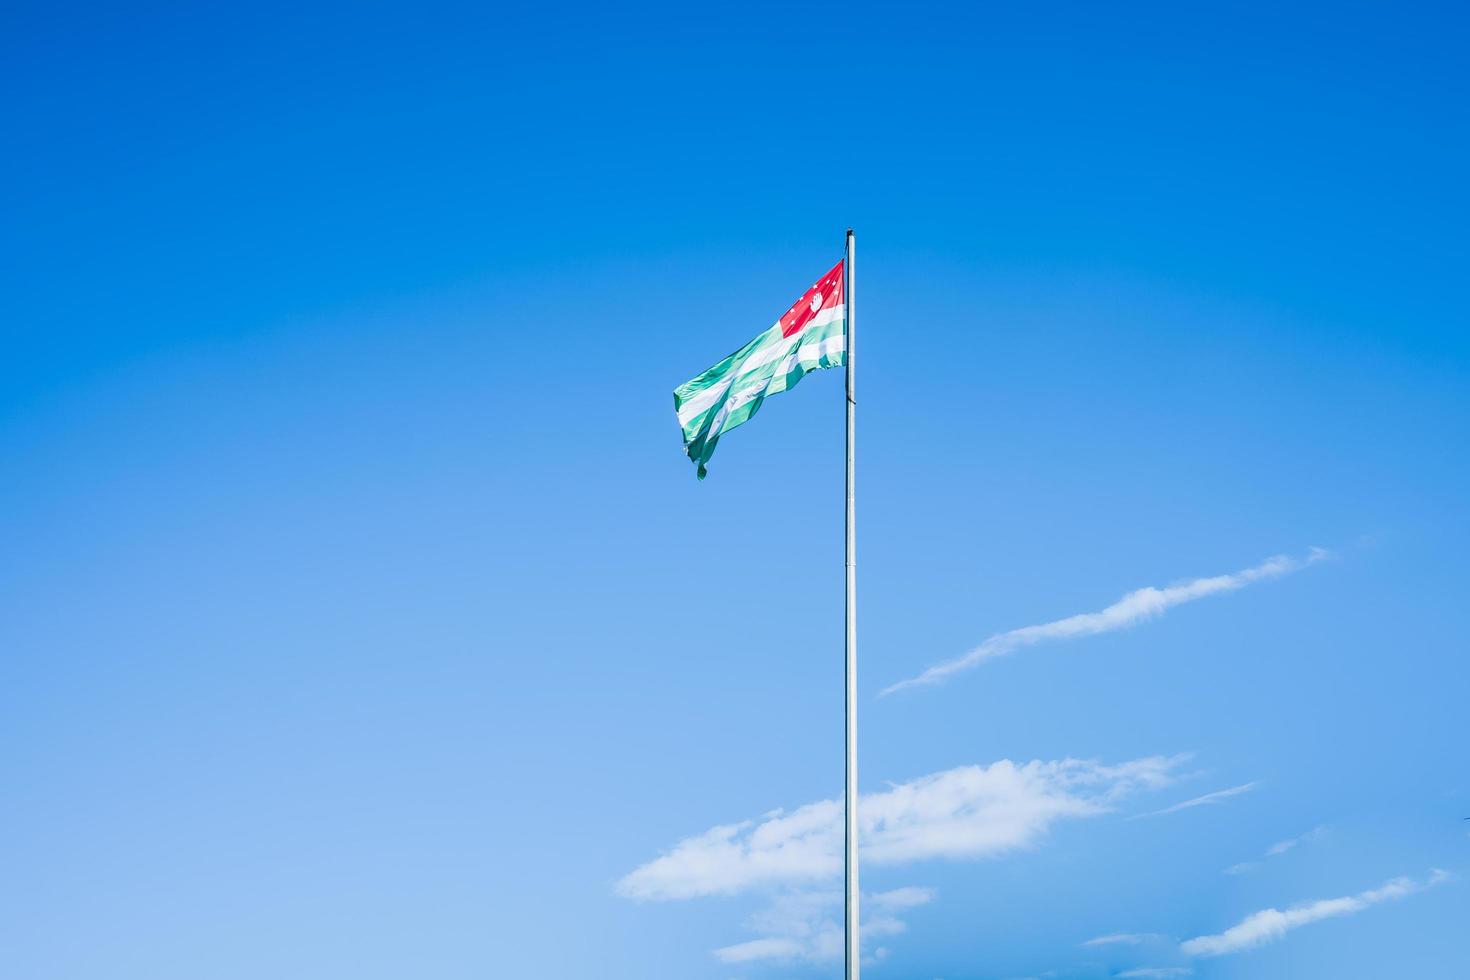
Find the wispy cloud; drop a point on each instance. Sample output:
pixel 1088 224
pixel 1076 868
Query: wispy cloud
pixel 1281 847
pixel 799 925
pixel 1135 607
pixel 902 898
pixel 765 949
pixel 1123 939
pixel 1158 971
pixel 1278 849
pixel 806 925
pixel 795 858
pixel 1208 799
pixel 1269 925
pixel 968 812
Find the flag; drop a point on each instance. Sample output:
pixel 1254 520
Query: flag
pixel 809 337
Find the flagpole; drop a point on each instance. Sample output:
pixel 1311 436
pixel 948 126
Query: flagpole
pixel 852 949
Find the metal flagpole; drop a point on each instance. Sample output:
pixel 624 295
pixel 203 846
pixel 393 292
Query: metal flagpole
pixel 850 854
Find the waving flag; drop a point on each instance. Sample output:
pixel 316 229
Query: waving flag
pixel 808 337
pixel 817 332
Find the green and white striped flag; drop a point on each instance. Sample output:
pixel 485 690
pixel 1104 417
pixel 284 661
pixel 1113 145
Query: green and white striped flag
pixel 809 337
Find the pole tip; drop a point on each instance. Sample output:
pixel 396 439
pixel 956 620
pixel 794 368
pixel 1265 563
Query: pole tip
pixel 849 233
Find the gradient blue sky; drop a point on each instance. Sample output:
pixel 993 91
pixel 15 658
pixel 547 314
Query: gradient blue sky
pixel 360 616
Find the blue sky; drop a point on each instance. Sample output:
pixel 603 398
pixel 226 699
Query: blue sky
pixel 360 615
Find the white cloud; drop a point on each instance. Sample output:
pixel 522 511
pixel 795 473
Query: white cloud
pixel 1278 849
pixel 1208 799
pixel 1158 971
pixel 795 926
pixel 1269 925
pixel 806 925
pixel 902 898
pixel 1135 607
pixel 968 812
pixel 1281 847
pixel 1123 938
pixel 761 949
